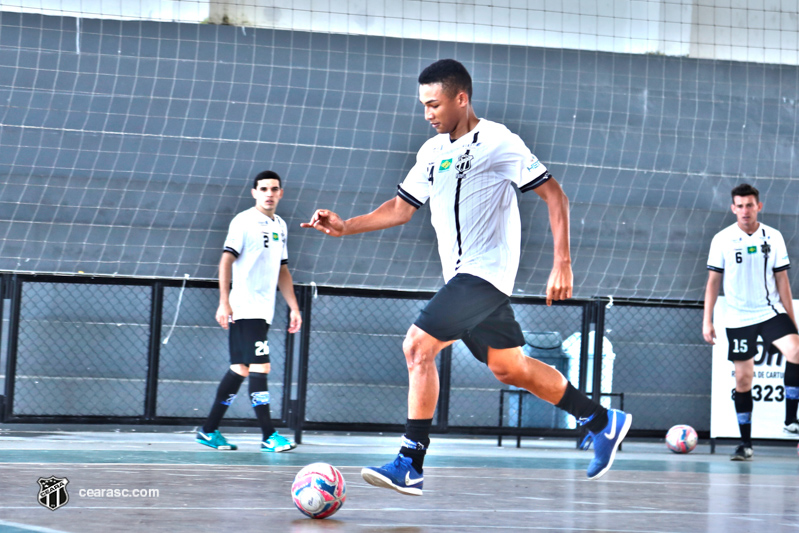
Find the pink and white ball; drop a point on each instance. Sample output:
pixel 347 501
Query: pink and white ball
pixel 319 490
pixel 681 439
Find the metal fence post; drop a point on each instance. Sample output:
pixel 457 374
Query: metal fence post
pixel 15 294
pixel 304 357
pixel 599 337
pixel 445 378
pixel 154 357
pixel 288 374
pixel 588 319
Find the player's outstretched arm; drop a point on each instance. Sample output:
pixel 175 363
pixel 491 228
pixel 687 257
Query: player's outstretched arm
pixel 392 213
pixel 711 295
pixel 561 279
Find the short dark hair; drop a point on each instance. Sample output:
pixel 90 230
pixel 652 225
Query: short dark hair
pixel 744 189
pixel 452 76
pixel 266 175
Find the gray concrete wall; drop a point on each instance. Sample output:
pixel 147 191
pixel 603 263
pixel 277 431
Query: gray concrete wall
pixel 131 154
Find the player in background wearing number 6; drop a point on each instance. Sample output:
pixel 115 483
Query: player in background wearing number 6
pixel 753 261
pixel 468 172
pixel 256 259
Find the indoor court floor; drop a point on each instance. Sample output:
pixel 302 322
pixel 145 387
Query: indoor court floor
pixel 471 485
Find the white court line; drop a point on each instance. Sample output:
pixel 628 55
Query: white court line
pixel 438 470
pixel 417 510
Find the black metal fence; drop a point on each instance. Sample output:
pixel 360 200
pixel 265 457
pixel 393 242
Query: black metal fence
pixel 112 350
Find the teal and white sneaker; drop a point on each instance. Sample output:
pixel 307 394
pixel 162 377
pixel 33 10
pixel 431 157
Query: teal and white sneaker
pixel 215 440
pixel 277 443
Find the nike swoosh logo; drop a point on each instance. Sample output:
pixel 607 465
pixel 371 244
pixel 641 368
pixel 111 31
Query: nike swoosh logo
pixel 612 433
pixel 409 481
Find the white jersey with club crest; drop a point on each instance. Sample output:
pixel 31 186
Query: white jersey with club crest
pixel 259 244
pixel 473 205
pixel 748 263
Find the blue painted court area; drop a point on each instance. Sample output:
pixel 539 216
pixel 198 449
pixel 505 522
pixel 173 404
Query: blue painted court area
pixel 158 479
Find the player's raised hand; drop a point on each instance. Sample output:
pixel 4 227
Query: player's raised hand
pixel 561 280
pixel 327 222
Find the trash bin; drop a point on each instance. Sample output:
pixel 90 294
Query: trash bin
pixel 547 347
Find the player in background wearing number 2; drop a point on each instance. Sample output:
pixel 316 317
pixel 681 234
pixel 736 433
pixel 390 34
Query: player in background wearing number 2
pixel 256 259
pixel 468 172
pixel 752 260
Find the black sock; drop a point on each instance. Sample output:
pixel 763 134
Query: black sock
pixel 259 394
pixel 791 392
pixel 584 409
pixel 743 408
pixel 225 394
pixel 416 441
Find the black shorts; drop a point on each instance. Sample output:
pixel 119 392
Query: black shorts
pixel 471 309
pixel 248 345
pixel 743 341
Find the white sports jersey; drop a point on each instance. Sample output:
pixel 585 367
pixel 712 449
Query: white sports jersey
pixel 259 244
pixel 473 206
pixel 748 263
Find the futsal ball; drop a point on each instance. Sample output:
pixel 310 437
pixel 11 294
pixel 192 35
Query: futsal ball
pixel 681 439
pixel 318 490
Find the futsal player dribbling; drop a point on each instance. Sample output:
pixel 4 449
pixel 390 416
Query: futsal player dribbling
pixel 256 258
pixel 752 260
pixel 467 172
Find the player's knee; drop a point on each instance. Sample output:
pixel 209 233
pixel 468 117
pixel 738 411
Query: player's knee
pixel 241 370
pixel 417 351
pixel 263 368
pixel 506 369
pixel 792 353
pixel 743 381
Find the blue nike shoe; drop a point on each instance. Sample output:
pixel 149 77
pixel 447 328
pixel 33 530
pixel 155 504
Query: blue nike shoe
pixel 607 441
pixel 399 475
